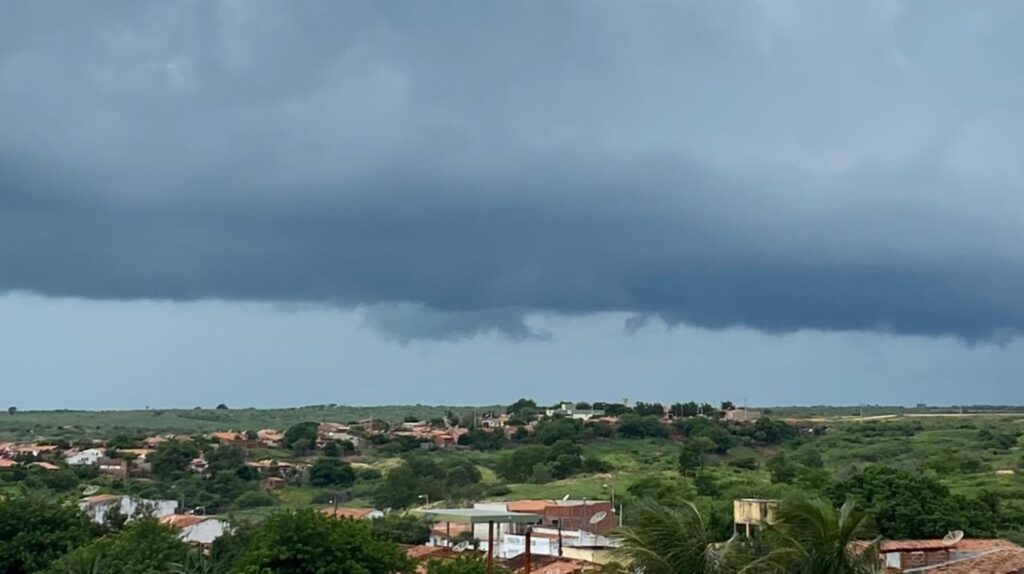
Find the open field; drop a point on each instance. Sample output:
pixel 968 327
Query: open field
pixel 76 424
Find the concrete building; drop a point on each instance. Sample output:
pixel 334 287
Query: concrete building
pixel 750 515
pixel 201 530
pixel 87 457
pixel 742 415
pixel 569 410
pixel 99 506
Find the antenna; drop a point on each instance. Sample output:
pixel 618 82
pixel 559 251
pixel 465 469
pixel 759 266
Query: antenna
pixel 566 497
pixel 598 517
pixel 461 546
pixel 953 537
pixel 90 490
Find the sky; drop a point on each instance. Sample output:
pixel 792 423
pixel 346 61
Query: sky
pixel 278 203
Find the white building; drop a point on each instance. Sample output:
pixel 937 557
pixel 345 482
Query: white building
pixel 100 505
pixel 197 529
pixel 569 410
pixel 88 457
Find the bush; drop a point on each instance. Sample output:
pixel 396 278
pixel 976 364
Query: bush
pixel 253 499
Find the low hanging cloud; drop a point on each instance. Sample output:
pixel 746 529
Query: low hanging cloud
pixel 453 168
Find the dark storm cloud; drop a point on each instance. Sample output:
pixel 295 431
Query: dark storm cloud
pixel 453 166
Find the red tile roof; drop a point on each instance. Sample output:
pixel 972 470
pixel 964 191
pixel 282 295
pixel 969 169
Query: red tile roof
pixel 998 560
pixel 342 512
pixel 182 520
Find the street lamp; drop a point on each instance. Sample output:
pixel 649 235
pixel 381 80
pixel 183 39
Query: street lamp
pixel 612 486
pixel 425 498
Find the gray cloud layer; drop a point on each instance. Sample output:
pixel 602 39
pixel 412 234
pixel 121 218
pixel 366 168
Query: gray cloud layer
pixel 452 166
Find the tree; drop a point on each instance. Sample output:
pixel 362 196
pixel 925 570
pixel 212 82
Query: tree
pixel 908 504
pixel 331 472
pixel 517 466
pixel 401 528
pixel 306 431
pixel 637 426
pixel 222 407
pixel 171 459
pixel 521 405
pixel 11 410
pixel 812 538
pixel 399 489
pixel 782 469
pixel 649 409
pixel 142 547
pixel 691 458
pixel 665 540
pixel 35 531
pixel 728 406
pixel 300 542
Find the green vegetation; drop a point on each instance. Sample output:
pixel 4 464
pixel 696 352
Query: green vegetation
pixel 912 476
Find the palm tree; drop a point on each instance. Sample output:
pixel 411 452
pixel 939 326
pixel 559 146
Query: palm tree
pixel 811 537
pixel 667 540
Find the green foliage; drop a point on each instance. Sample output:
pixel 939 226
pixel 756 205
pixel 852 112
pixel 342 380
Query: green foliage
pixel 639 426
pixel 328 471
pixel 913 505
pixel 171 459
pixel 253 499
pixel 562 459
pixel 518 407
pixel 550 431
pixel 483 439
pixel 812 538
pixel 141 547
pixel 35 531
pixel 302 542
pixel 691 457
pixel 664 540
pixel 306 432
pixel 401 528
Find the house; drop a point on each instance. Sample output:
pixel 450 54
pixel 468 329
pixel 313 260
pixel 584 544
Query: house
pixel 98 506
pixel 270 437
pixel 140 454
pixel 274 483
pixel 44 465
pixel 749 515
pixel 329 432
pixel 87 457
pixel 569 514
pixel 201 530
pixel 569 410
pixel 33 449
pixel 154 441
pixel 952 556
pixel 353 513
pixel 445 534
pixel 227 437
pixel 198 465
pixel 7 463
pixel 742 415
pixel 114 467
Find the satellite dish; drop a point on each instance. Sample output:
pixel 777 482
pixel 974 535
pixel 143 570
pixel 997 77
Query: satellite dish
pixel 598 517
pixel 90 490
pixel 461 546
pixel 566 497
pixel 953 537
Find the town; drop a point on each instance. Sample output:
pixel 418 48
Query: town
pixel 528 488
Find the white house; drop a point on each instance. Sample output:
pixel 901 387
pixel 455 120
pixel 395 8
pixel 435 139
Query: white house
pixel 196 529
pixel 100 505
pixel 88 457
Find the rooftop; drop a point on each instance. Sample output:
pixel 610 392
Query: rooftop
pixel 477 516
